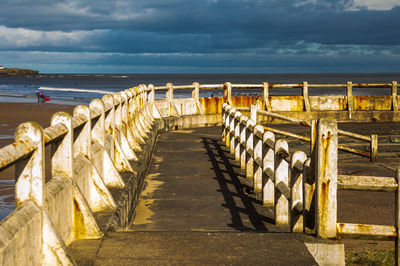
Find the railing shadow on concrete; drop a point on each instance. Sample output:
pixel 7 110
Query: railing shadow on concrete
pixel 303 190
pixel 99 157
pixel 226 178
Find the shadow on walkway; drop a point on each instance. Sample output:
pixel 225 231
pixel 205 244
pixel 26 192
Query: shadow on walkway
pixel 246 211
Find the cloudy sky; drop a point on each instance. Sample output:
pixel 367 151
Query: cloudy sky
pixel 201 36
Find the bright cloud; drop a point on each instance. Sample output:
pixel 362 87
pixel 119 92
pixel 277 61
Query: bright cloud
pixel 376 4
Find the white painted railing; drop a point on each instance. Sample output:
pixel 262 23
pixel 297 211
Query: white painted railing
pixel 93 149
pixel 89 151
pixel 291 182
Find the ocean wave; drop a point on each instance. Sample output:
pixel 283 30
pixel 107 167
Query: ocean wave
pixel 75 90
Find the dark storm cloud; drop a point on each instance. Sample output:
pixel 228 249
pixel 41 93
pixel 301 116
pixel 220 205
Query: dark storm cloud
pixel 254 30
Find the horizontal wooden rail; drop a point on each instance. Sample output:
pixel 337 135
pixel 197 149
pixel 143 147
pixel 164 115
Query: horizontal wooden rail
pixel 285 133
pixel 283 117
pixel 308 124
pixel 355 151
pixel 367 183
pixel 278 86
pixel 297 136
pixel 354 135
pixel 366 231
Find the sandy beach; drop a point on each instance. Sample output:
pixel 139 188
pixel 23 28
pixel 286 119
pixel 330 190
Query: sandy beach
pixel 12 114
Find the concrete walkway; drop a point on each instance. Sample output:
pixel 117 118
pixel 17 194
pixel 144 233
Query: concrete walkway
pixel 194 185
pixel 196 208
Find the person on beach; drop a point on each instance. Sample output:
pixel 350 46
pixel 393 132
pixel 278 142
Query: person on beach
pixel 41 97
pixel 38 96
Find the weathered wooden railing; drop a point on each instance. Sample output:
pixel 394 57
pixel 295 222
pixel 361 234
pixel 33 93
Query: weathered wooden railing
pixel 372 139
pixel 100 153
pixel 91 153
pixel 290 182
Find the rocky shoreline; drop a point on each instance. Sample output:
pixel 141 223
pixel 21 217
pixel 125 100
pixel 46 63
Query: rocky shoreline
pixel 17 72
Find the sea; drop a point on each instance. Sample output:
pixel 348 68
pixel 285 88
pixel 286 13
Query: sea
pixel 82 88
pixel 77 89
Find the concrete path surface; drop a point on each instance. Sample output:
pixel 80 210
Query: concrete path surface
pixel 196 208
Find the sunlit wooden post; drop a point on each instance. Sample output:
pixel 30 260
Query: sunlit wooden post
pixel 227 124
pixel 83 137
pixel 30 172
pixel 350 98
pixel 268 165
pixel 170 92
pixel 326 178
pixel 196 90
pixel 170 98
pixel 250 124
pixel 296 199
pixel 232 127
pixel 258 158
pixel 309 198
pixel 374 148
pixel 109 124
pixel 266 96
pixel 61 151
pixel 151 93
pixel 237 144
pixel 228 92
pixel 242 143
pixel 305 97
pixel 395 103
pixel 223 125
pixel 253 112
pixel 282 191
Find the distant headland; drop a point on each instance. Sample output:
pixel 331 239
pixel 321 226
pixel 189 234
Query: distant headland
pixel 17 71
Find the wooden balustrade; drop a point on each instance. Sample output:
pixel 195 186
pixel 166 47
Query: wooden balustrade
pixel 291 182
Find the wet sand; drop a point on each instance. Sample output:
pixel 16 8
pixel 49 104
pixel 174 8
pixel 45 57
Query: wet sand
pixel 11 115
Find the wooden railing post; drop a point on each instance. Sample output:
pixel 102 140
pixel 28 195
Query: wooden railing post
pixel 374 148
pixel 83 138
pixel 98 130
pixel 30 172
pixel 151 93
pixel 268 168
pixel 350 98
pixel 296 199
pixel 282 191
pixel 223 125
pixel 266 96
pixel 258 159
pixel 62 156
pixel 228 92
pixel 309 197
pixel 236 146
pixel 170 93
pixel 326 178
pixel 232 127
pixel 242 143
pixel 395 103
pixel 250 124
pixel 253 112
pixel 109 124
pixel 305 97
pixel 196 90
pixel 228 129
